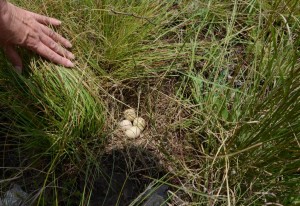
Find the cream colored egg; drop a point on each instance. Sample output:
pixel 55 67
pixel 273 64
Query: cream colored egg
pixel 140 123
pixel 133 132
pixel 130 114
pixel 125 124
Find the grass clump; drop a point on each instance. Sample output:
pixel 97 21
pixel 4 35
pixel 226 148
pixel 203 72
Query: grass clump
pixel 48 115
pixel 115 38
pixel 246 99
pixel 53 103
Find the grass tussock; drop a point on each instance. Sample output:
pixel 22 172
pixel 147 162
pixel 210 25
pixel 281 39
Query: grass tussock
pixel 217 81
pixel 49 115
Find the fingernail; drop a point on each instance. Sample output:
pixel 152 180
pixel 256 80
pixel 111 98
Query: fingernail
pixel 69 45
pixel 18 69
pixel 69 64
pixel 72 56
pixel 57 22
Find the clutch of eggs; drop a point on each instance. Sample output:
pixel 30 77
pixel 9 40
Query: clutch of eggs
pixel 132 130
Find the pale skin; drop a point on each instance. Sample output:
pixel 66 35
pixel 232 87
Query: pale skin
pixel 19 27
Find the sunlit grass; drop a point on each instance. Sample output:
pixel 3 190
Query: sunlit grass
pixel 246 100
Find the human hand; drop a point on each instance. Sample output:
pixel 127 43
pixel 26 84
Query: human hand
pixel 27 29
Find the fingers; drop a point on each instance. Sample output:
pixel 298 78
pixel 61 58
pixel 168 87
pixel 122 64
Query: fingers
pixel 33 33
pixel 14 58
pixel 56 47
pixel 58 55
pixel 45 20
pixel 56 37
pixel 49 47
pixel 48 53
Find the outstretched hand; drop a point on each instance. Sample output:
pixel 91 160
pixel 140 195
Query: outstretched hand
pixel 27 29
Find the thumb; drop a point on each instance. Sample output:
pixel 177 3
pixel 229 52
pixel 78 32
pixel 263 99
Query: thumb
pixel 14 58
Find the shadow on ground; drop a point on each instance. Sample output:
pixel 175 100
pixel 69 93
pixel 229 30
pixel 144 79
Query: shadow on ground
pixel 125 175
